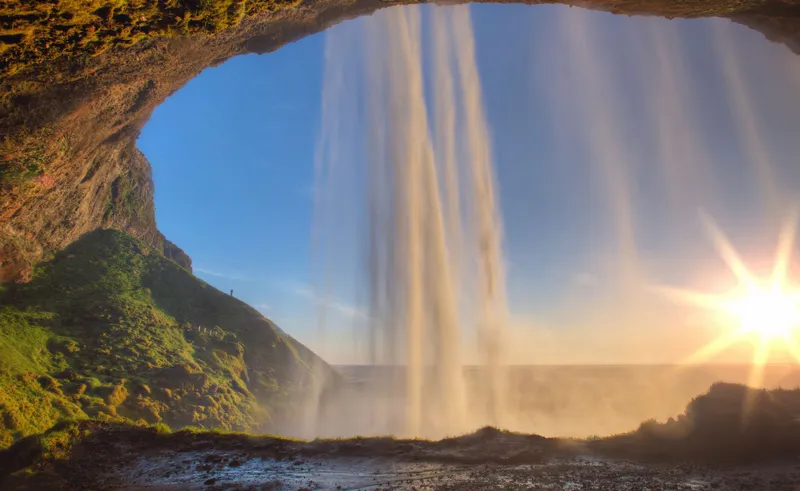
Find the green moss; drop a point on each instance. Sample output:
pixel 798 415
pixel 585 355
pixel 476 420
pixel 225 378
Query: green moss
pixel 114 395
pixel 35 32
pixel 27 408
pixel 124 200
pixel 162 429
pixel 110 329
pixel 26 159
pixel 22 171
pixel 23 341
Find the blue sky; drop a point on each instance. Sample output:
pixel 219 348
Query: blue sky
pixel 233 152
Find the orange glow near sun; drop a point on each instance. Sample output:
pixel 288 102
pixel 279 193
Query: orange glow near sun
pixel 764 311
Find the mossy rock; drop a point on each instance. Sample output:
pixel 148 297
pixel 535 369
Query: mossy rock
pixel 63 346
pixel 109 410
pixel 27 377
pixel 67 374
pixel 101 411
pixel 164 395
pixel 11 421
pixel 113 395
pixel 209 401
pixel 143 408
pixel 150 414
pixel 76 389
pixel 141 389
pixel 48 383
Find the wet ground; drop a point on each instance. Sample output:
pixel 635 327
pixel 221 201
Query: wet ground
pixel 215 471
pixel 121 457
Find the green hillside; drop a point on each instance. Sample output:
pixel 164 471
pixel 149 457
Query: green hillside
pixel 109 329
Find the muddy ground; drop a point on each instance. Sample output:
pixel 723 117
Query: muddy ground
pixel 119 457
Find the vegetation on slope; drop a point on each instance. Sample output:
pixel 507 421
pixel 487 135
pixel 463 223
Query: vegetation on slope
pixel 729 422
pixel 109 329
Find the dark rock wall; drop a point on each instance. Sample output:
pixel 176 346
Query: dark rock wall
pixel 71 109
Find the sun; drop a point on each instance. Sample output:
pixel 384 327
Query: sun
pixel 764 310
pixel 771 314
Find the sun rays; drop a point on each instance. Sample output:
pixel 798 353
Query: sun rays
pixel 765 310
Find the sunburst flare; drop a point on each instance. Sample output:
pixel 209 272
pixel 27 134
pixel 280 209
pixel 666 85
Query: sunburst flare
pixel 767 310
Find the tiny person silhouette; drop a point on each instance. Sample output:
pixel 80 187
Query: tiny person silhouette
pixel 231 291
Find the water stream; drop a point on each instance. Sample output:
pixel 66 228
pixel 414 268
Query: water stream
pixel 435 261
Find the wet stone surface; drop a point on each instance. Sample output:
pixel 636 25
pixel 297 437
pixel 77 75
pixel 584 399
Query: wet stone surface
pixel 231 471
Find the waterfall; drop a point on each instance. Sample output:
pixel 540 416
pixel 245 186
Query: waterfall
pixel 435 269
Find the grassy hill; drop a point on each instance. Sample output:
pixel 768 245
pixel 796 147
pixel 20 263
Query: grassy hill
pixel 110 329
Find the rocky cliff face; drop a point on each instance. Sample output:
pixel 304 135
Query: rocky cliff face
pixel 78 80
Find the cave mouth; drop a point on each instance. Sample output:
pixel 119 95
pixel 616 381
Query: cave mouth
pixel 77 87
pixel 707 121
pixel 695 109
